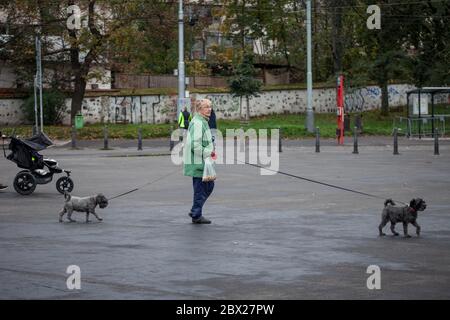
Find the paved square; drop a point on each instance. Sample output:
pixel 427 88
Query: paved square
pixel 272 237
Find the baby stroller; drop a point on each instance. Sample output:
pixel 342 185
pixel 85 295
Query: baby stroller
pixel 24 152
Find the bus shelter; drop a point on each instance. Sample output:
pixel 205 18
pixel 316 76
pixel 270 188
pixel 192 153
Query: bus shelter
pixel 419 121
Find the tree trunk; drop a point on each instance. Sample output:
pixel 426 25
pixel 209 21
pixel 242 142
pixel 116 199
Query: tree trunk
pixel 384 98
pixel 247 115
pixel 77 97
pixel 336 19
pixel 285 40
pixel 240 108
pixel 81 70
pixel 243 8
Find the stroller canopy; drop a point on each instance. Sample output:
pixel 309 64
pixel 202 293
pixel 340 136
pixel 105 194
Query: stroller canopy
pixel 38 142
pixel 25 152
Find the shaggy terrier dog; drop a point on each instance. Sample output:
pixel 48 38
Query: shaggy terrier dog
pixel 405 215
pixel 87 205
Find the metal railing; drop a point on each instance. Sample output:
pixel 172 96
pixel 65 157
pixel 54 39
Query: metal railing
pixel 421 127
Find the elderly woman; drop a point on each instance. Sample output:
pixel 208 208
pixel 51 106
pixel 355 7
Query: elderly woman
pixel 198 148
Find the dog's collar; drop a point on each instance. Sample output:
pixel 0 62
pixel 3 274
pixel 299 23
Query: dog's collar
pixel 412 210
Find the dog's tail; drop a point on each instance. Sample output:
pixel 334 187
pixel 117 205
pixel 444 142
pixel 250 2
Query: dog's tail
pixel 67 196
pixel 389 201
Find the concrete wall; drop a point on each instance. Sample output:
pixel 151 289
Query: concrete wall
pixel 162 108
pixel 10 112
pixel 7 76
pixel 127 109
pixel 370 97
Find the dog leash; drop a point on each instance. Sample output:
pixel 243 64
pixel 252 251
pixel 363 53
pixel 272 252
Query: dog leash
pixel 280 172
pixel 147 184
pixel 319 182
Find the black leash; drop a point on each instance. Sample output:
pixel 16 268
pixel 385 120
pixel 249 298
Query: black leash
pixel 280 172
pixel 122 194
pixel 319 182
pixel 147 184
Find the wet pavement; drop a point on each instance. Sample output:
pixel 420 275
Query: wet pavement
pixel 272 237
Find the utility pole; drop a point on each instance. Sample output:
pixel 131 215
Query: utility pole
pixel 181 73
pixel 309 110
pixel 39 81
pixel 36 121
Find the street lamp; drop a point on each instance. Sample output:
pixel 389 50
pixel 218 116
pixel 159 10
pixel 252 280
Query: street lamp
pixel 309 109
pixel 181 73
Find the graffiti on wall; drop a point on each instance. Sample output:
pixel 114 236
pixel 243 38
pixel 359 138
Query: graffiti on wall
pixel 125 109
pixel 354 100
pixel 162 108
pixel 134 109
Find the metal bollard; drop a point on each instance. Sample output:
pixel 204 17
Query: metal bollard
pixel 171 143
pixel 436 142
pixel 355 141
pixel 140 139
pixel 396 141
pixel 105 138
pixel 280 136
pixel 74 137
pixel 317 140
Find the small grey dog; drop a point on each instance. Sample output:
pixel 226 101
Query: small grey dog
pixel 405 215
pixel 86 204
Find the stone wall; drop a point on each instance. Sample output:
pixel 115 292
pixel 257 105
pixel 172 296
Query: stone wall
pixel 162 108
pixel 10 112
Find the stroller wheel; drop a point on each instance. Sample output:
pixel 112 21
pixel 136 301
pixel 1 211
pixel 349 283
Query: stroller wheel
pixel 24 183
pixel 64 184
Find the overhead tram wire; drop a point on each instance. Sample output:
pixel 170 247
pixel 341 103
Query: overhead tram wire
pixel 271 10
pixel 316 11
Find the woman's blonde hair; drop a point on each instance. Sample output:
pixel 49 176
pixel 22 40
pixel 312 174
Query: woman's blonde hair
pixel 201 103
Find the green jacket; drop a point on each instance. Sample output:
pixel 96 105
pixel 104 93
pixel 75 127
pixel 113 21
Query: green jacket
pixel 198 147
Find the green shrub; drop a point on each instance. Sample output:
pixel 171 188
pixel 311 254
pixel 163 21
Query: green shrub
pixel 53 105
